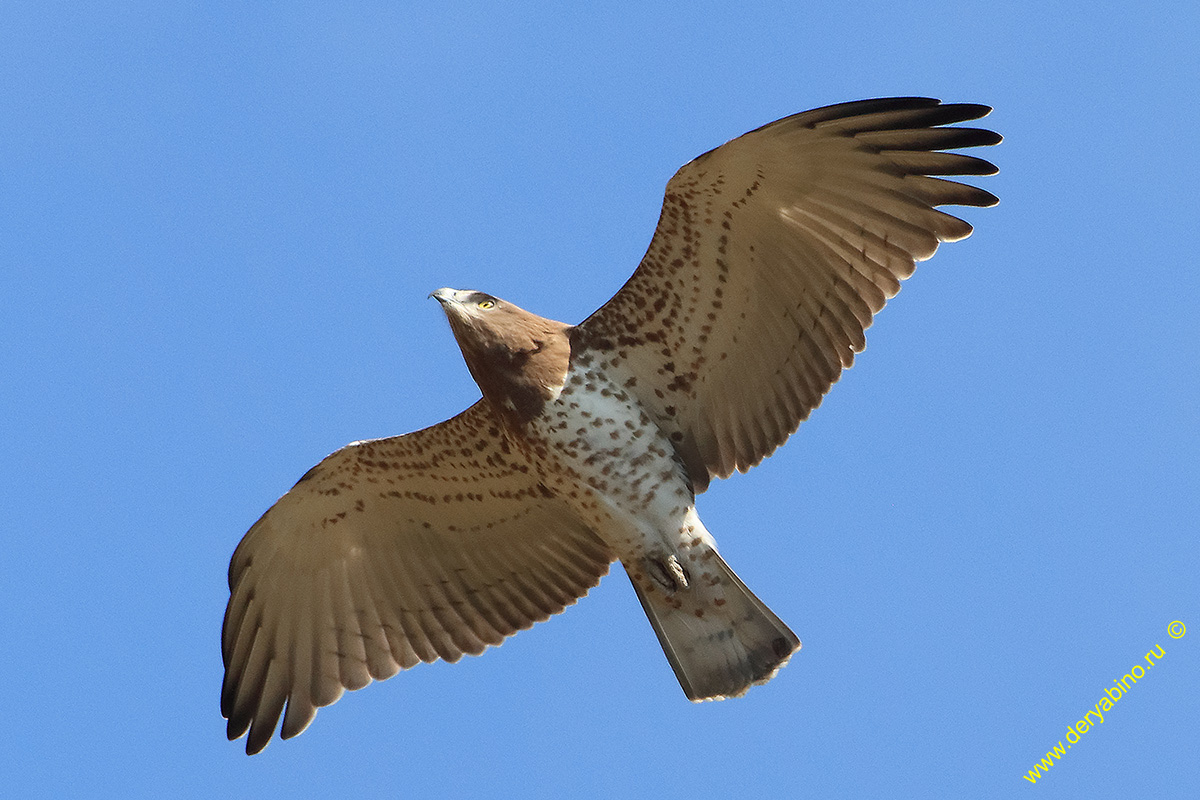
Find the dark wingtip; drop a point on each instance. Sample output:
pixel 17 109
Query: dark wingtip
pixel 987 199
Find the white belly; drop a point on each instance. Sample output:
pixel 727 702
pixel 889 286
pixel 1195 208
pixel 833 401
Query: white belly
pixel 618 470
pixel 602 454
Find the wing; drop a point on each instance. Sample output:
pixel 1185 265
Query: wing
pixel 772 254
pixel 387 553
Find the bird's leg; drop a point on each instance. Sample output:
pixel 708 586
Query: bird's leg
pixel 667 572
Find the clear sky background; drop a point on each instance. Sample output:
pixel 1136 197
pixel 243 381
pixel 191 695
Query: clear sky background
pixel 219 225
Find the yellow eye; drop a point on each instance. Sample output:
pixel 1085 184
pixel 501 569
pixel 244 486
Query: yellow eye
pixel 486 304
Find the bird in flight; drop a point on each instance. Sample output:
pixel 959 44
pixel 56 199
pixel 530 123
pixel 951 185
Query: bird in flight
pixel 591 441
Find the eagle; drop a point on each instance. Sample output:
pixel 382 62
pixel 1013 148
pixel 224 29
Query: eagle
pixel 591 441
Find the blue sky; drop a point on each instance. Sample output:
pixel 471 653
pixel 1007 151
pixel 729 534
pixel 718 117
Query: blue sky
pixel 219 227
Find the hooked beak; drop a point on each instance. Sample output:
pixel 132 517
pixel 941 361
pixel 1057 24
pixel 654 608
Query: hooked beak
pixel 445 295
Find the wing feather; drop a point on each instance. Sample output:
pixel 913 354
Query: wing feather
pixel 271 698
pixel 428 546
pixel 377 652
pixel 301 707
pixel 772 255
pixel 326 670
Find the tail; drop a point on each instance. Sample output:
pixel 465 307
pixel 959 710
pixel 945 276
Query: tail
pixel 719 637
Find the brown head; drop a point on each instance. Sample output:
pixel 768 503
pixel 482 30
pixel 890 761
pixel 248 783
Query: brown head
pixel 518 359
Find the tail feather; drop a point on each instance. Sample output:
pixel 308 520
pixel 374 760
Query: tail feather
pixel 719 638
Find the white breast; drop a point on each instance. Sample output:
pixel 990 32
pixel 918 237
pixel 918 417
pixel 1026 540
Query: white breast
pixel 622 469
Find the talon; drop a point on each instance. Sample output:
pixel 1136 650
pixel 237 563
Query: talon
pixel 668 573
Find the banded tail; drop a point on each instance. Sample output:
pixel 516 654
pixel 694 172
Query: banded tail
pixel 719 637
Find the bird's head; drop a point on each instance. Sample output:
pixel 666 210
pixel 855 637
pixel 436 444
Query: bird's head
pixel 504 344
pixel 468 305
pixel 482 322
